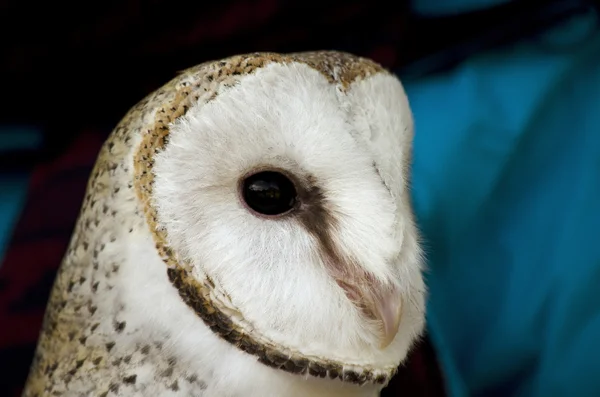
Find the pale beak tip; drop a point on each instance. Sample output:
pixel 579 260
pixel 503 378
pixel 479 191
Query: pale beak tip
pixel 390 313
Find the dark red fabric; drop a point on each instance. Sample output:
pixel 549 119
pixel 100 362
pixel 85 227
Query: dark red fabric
pixel 102 56
pixel 94 58
pixel 35 252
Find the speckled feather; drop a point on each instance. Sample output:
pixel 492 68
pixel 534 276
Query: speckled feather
pixel 78 351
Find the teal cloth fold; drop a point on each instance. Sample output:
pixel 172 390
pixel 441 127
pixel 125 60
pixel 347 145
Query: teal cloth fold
pixel 507 193
pixel 13 189
pixel 13 185
pixel 453 7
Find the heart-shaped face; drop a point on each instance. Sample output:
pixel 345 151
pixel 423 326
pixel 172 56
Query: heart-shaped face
pixel 285 185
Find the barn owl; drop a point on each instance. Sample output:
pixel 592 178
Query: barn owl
pixel 246 231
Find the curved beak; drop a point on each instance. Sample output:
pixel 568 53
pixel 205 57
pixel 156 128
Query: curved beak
pixel 387 308
pixel 379 302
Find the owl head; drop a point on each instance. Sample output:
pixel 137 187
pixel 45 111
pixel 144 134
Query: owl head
pixel 276 187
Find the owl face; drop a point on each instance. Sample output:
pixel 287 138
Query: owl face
pixel 284 192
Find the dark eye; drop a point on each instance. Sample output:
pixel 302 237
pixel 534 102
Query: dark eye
pixel 269 193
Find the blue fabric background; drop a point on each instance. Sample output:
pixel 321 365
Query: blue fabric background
pixel 507 193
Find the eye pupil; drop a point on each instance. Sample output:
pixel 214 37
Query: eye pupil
pixel 269 193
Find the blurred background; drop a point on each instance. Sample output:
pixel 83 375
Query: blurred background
pixel 506 173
